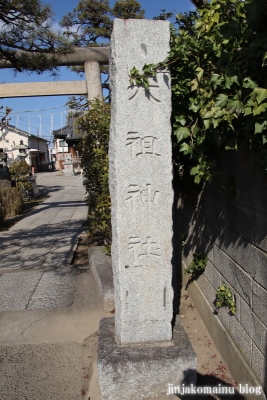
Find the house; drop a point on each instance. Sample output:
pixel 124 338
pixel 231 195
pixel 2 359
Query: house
pixel 66 142
pixel 36 153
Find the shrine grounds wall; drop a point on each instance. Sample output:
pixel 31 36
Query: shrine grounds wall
pixel 230 226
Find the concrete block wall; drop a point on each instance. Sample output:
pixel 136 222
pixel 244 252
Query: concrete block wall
pixel 231 228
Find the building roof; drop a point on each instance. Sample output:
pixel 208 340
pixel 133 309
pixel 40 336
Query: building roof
pixel 67 132
pixel 29 135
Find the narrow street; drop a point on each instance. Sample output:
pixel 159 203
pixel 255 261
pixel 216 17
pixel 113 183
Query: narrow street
pixel 49 310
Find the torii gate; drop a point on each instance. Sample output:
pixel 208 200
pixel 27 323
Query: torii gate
pixel 90 57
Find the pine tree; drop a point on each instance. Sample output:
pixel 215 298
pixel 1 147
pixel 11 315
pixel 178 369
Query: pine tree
pixel 127 9
pixel 199 3
pixel 90 24
pixel 27 37
pixel 92 20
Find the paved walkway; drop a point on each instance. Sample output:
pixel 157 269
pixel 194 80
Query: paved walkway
pixel 43 241
pixel 49 309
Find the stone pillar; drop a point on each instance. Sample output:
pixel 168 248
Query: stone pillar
pixel 137 357
pixel 93 80
pixel 141 184
pixel 68 168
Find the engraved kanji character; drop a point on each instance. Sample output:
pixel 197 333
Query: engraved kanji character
pixel 137 90
pixel 142 146
pixel 134 245
pixel 149 248
pixel 144 253
pixel 148 195
pixel 134 141
pixel 134 195
pixel 145 196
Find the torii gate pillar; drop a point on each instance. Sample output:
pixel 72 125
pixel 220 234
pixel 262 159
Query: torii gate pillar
pixel 93 80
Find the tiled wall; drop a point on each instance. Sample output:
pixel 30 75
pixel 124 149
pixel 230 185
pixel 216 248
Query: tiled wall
pixel 231 227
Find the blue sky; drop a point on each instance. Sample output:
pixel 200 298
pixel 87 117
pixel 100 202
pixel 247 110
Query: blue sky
pixel 40 115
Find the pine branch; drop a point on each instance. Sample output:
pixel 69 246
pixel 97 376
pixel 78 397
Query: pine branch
pixel 199 3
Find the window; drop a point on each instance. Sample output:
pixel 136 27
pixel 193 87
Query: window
pixel 62 143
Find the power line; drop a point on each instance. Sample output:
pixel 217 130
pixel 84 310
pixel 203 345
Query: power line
pixel 44 109
pixel 41 125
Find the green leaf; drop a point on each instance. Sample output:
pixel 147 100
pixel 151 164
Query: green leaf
pixel 235 106
pixel 247 110
pixel 185 148
pixel 214 77
pixel 182 133
pixel 197 179
pixel 194 107
pixel 219 113
pixel 146 84
pixel 239 13
pixel 234 79
pixel 181 120
pixel 260 94
pixel 206 123
pixel 199 24
pixel 249 83
pixel 194 170
pixel 260 127
pixel 221 100
pixel 208 114
pixel 216 17
pixel 134 71
pixel 215 122
pixel 194 85
pixel 200 73
pixel 147 68
pixel 264 61
pixel 261 108
pixel 206 93
pixel 230 80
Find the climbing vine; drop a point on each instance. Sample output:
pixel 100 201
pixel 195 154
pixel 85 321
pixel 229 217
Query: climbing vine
pixel 218 65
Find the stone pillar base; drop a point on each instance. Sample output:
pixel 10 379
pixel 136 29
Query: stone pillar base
pixel 140 372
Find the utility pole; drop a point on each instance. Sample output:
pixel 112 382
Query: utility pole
pixel 3 124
